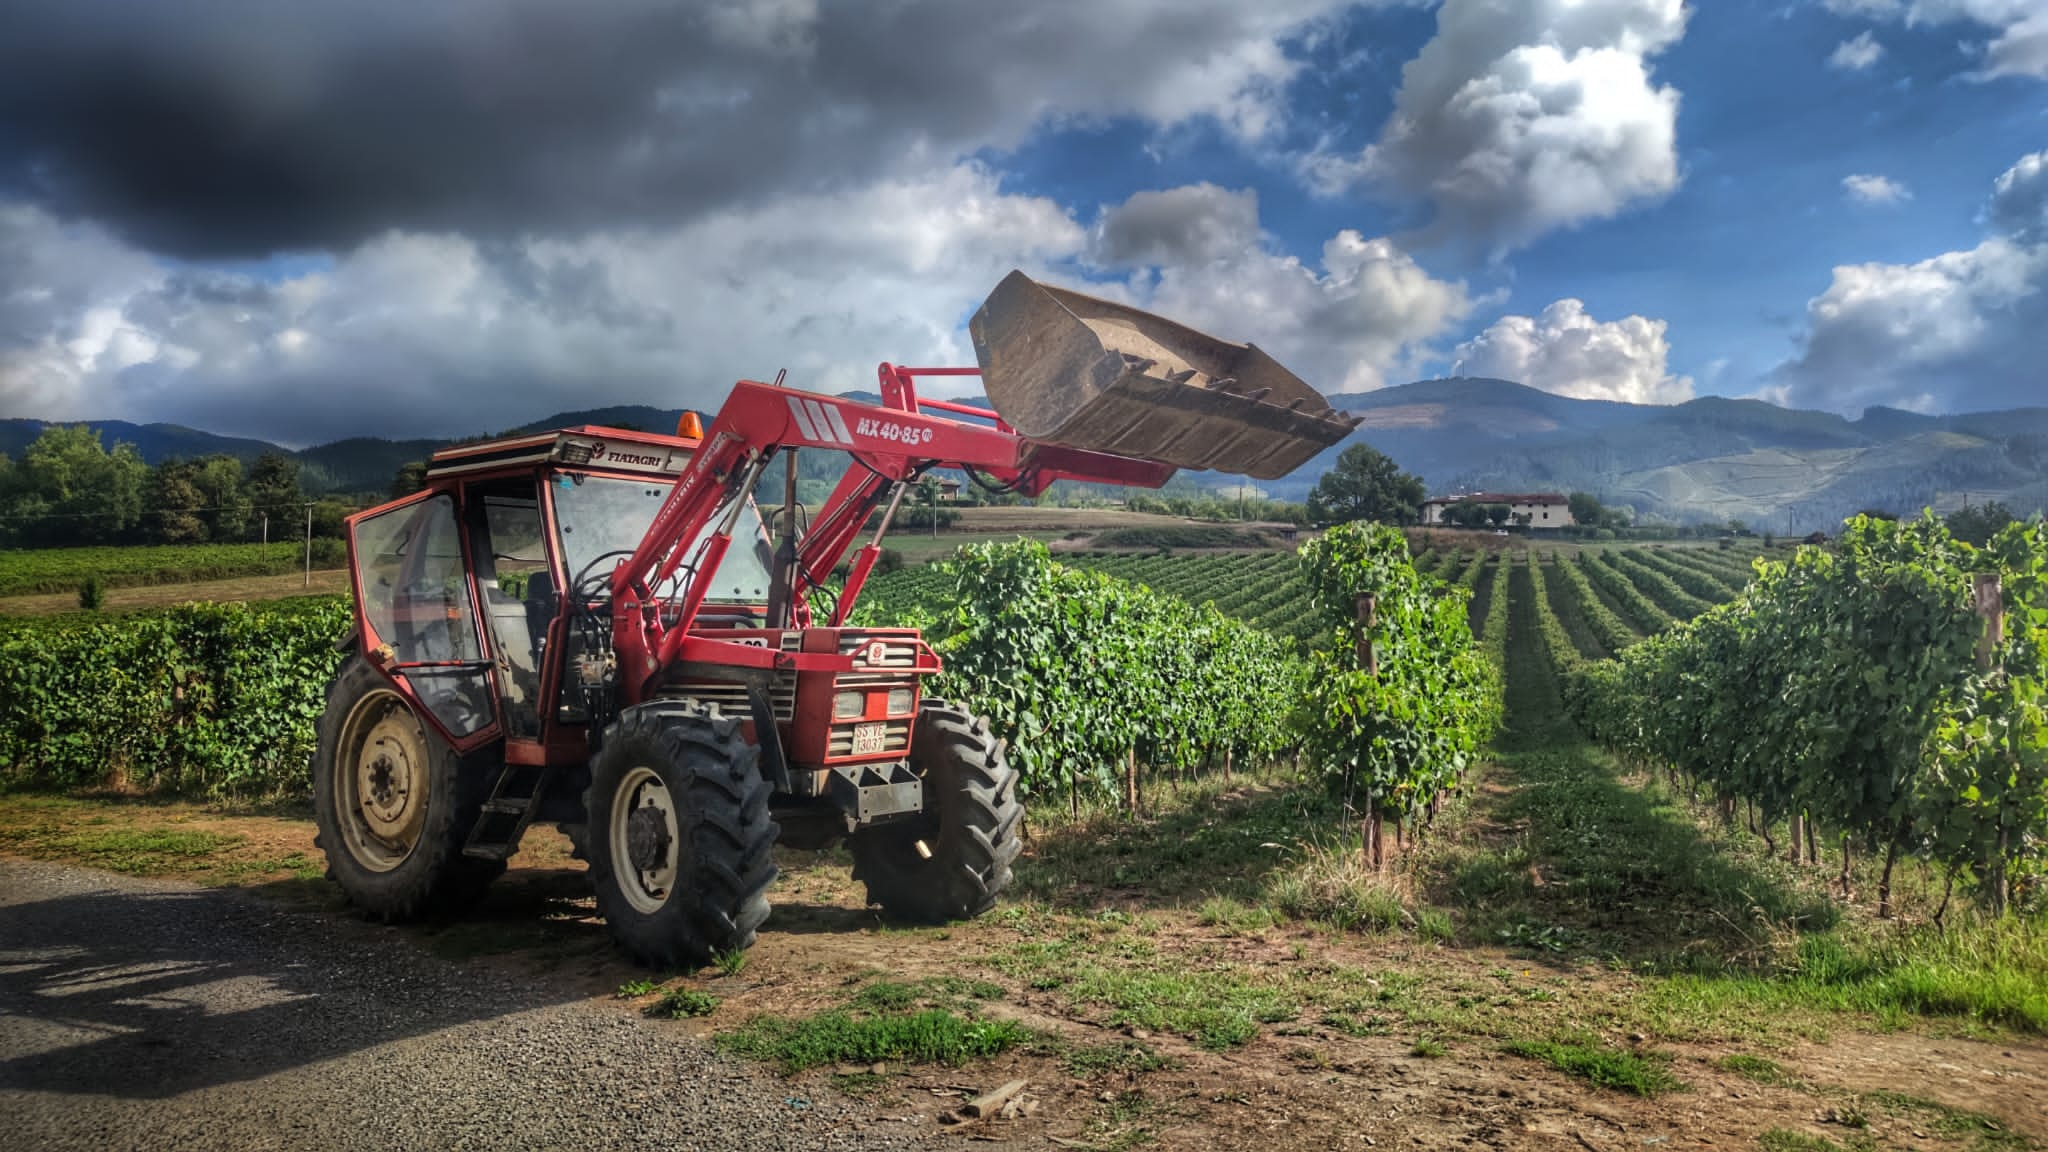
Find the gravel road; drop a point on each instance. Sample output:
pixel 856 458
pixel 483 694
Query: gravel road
pixel 143 1014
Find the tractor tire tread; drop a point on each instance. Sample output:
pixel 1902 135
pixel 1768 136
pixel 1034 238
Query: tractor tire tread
pixel 437 879
pixel 722 814
pixel 971 864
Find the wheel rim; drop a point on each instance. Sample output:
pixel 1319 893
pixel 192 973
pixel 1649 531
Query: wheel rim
pixel 644 840
pixel 382 781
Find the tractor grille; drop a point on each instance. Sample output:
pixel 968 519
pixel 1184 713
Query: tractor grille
pixel 895 741
pixel 733 697
pixel 895 651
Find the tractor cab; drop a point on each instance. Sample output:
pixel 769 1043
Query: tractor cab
pixel 463 585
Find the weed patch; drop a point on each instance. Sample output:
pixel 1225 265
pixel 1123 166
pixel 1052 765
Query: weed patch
pixel 1786 1140
pixel 1128 1058
pixel 1333 885
pixel 683 1003
pixel 934 1036
pixel 1993 973
pixel 1758 1070
pixel 140 851
pixel 1600 1064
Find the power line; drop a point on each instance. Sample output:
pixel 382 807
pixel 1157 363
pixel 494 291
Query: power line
pixel 155 511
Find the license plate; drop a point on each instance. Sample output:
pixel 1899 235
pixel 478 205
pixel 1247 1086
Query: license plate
pixel 870 738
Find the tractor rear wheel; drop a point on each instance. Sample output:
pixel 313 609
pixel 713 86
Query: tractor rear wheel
pixel 394 804
pixel 952 860
pixel 679 839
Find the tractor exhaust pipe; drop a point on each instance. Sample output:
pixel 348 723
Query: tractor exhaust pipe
pixel 1081 372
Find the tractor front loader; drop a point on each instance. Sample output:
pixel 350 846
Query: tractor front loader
pixel 593 627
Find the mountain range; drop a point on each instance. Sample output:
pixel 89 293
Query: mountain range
pixel 1711 458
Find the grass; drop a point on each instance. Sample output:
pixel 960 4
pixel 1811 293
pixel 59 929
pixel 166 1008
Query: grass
pixel 1332 884
pixel 1982 1132
pixel 683 1003
pixel 933 1036
pixel 140 851
pixel 1758 1070
pixel 1187 993
pixel 1123 1122
pixel 1991 973
pixel 1428 1047
pixel 246 588
pixel 53 570
pixel 1786 1140
pixel 1601 1064
pixel 1129 1057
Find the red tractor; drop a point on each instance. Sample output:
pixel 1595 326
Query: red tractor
pixel 594 628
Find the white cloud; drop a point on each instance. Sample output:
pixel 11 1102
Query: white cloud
pixel 1522 116
pixel 1959 331
pixel 1869 189
pixel 434 333
pixel 416 333
pixel 2019 199
pixel 1856 54
pixel 2019 44
pixel 1567 352
pixel 1367 311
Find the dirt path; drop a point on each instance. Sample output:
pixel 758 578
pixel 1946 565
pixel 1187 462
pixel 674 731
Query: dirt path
pixel 150 1014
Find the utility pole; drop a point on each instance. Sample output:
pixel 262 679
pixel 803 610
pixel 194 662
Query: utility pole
pixel 309 544
pixel 266 530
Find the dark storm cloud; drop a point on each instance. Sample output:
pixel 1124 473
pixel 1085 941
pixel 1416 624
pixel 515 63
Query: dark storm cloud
pixel 214 128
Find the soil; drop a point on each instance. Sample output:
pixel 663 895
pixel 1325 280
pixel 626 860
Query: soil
pixel 1299 1085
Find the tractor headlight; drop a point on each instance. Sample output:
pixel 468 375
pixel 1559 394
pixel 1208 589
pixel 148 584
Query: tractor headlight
pixel 901 701
pixel 849 705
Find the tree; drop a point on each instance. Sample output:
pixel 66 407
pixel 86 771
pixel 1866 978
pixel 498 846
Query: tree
pixel 1497 514
pixel 1466 514
pixel 173 504
pixel 70 490
pixel 220 481
pixel 1366 484
pixel 1586 509
pixel 1976 526
pixel 411 477
pixel 274 486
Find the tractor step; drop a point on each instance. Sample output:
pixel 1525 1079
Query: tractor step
pixel 502 820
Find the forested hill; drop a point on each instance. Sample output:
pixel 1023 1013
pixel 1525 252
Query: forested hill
pixel 1708 458
pixel 1713 457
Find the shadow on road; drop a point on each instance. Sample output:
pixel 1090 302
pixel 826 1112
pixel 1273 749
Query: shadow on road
pixel 147 992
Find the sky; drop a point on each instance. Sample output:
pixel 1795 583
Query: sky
pixel 381 217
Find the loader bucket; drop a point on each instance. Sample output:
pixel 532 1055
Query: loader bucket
pixel 1068 369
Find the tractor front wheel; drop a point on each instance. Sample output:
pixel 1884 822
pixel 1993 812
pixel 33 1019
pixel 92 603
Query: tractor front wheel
pixel 952 860
pixel 679 839
pixel 394 804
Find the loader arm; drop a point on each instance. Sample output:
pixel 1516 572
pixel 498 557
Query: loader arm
pixel 891 444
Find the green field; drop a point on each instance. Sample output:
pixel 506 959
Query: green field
pixel 28 571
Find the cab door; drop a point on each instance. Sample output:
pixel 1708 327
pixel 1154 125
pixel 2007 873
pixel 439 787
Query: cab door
pixel 419 614
pixel 508 551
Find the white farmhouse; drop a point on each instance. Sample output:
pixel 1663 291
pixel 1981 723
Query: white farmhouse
pixel 1541 509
